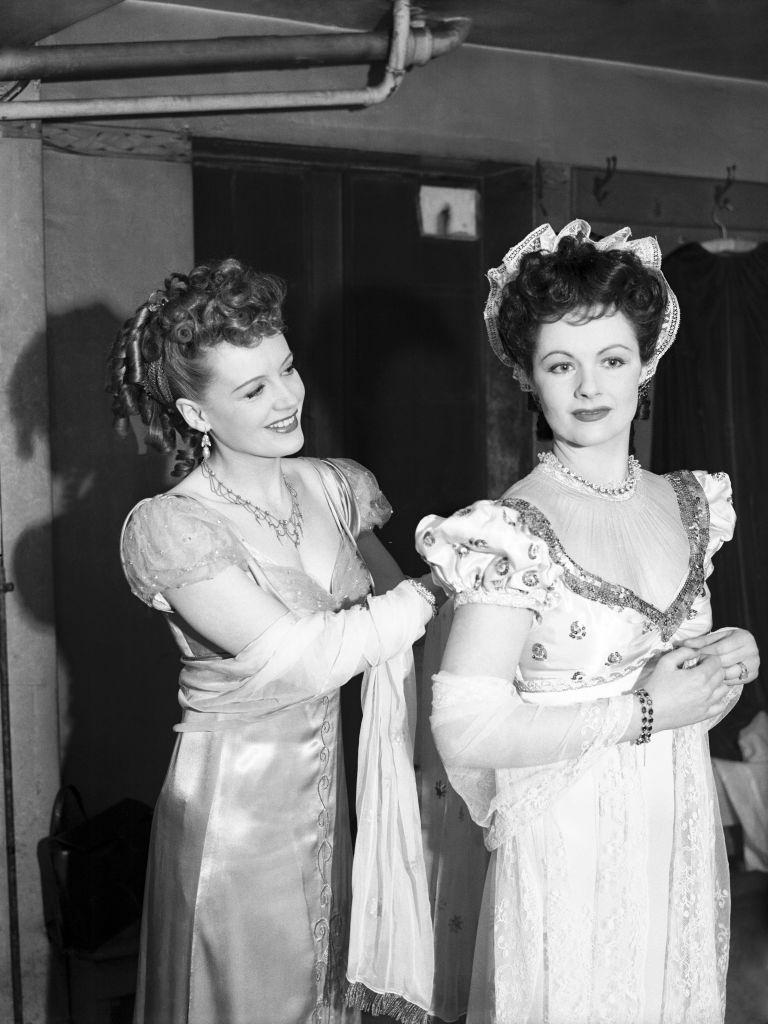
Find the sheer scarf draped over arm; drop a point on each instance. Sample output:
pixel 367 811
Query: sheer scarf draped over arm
pixel 390 964
pixel 170 542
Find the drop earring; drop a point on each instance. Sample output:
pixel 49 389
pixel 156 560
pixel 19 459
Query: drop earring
pixel 643 411
pixel 543 430
pixel 205 444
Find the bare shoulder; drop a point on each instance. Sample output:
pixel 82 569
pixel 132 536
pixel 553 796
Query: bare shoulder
pixel 306 471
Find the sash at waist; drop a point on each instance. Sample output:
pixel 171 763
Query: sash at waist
pixel 584 693
pixel 218 720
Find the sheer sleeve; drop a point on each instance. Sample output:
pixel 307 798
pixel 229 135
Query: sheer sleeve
pixel 172 541
pixel 483 722
pixel 306 655
pixel 370 507
pixel 509 760
pixel 485 554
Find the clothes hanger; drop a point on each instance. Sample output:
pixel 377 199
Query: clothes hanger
pixel 724 244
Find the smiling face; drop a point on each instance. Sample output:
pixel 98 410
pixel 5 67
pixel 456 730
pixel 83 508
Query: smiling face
pixel 586 374
pixel 252 403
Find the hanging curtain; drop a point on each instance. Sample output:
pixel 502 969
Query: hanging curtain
pixel 711 412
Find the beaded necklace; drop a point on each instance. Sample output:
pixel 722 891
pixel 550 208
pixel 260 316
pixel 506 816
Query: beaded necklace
pixel 616 492
pixel 292 527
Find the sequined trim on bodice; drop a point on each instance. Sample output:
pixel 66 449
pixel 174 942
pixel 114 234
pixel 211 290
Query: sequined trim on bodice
pixel 694 515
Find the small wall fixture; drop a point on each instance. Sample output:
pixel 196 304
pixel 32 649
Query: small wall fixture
pixel 451 213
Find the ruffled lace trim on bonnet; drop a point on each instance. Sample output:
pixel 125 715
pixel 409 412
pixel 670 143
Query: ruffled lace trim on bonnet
pixel 543 238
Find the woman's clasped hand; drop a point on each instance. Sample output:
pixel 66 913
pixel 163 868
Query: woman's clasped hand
pixel 686 687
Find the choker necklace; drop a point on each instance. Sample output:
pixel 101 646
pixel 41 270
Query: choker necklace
pixel 617 492
pixel 292 527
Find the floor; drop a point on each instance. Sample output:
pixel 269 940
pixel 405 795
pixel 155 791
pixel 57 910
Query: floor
pixel 747 993
pixel 747 999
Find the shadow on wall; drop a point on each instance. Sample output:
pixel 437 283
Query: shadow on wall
pixel 117 663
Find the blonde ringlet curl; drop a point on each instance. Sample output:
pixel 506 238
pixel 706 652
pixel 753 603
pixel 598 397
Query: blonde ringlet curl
pixel 159 353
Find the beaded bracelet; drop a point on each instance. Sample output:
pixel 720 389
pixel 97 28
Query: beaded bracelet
pixel 427 594
pixel 646 707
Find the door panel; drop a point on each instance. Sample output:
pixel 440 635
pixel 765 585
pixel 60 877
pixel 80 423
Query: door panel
pixel 387 324
pixel 414 323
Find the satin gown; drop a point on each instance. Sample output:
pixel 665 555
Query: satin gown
pixel 606 896
pixel 247 895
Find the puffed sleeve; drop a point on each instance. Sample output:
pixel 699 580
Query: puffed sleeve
pixel 722 517
pixel 171 541
pixel 371 508
pixel 486 554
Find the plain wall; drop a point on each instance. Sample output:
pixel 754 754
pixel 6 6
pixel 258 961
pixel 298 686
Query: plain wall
pixel 114 227
pixel 25 488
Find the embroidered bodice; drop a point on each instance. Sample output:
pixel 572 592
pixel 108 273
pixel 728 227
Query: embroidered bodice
pixel 610 583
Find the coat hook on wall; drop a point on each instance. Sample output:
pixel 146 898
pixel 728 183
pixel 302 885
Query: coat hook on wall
pixel 599 191
pixel 721 200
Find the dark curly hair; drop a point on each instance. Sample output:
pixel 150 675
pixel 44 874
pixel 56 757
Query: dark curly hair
pixel 158 355
pixel 579 278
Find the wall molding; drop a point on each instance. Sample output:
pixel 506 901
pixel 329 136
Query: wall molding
pixel 114 141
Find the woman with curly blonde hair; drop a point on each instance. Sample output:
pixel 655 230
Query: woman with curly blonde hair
pixel 261 564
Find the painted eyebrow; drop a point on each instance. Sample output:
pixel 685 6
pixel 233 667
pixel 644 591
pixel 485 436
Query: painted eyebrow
pixel 261 376
pixel 562 352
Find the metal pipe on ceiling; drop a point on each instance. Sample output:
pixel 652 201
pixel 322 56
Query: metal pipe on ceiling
pixel 454 33
pixel 233 53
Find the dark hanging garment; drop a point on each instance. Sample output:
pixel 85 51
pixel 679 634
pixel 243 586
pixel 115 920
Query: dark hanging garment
pixel 711 412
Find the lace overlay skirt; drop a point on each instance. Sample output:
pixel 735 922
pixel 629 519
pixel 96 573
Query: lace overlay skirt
pixel 611 906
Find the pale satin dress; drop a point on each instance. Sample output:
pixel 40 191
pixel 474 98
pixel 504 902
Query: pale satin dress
pixel 606 897
pixel 247 895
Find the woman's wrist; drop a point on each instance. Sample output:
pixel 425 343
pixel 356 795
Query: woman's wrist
pixel 424 592
pixel 434 588
pixel 646 716
pixel 634 730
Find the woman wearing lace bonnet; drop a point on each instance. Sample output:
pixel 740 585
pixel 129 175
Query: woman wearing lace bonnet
pixel 580 674
pixel 255 560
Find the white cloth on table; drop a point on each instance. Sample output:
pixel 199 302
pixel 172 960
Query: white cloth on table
pixel 742 790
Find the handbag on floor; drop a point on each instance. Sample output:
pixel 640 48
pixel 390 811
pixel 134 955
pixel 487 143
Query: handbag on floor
pixel 92 869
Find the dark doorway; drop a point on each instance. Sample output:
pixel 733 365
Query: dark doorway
pixel 386 323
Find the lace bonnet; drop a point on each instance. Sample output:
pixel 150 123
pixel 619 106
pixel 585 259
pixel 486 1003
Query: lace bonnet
pixel 544 238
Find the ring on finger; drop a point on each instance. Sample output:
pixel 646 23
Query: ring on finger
pixel 743 671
